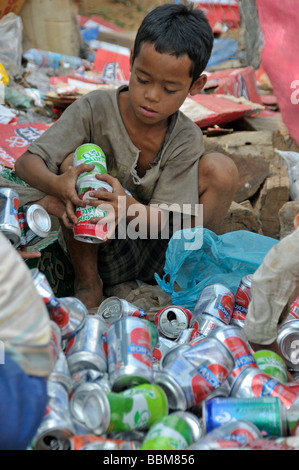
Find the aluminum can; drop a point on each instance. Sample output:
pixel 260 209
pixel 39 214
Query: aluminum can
pixel 288 343
pixel 9 221
pixel 114 308
pixel 234 434
pixel 272 364
pixel 233 338
pixel 70 315
pixel 255 383
pixel 294 311
pixel 136 408
pixel 92 442
pixel 267 413
pixel 35 224
pixel 55 340
pixel 206 324
pixel 88 350
pixel 242 300
pixel 172 320
pixel 177 431
pixel 76 403
pixel 61 373
pixel 191 376
pixel 84 230
pixel 159 351
pixel 93 155
pixel 56 426
pixel 269 444
pixel 129 353
pixel 187 335
pixel 216 300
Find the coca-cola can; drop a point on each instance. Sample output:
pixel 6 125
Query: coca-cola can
pixel 129 353
pixel 172 320
pixel 192 375
pixel 114 308
pixel 9 221
pixel 233 338
pixel 215 300
pixel 242 300
pixel 88 349
pixel 288 343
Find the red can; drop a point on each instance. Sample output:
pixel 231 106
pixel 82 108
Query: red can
pixel 242 300
pixel 172 320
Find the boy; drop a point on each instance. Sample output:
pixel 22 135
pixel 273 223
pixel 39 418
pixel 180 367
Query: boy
pixel 152 150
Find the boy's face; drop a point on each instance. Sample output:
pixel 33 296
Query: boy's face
pixel 160 83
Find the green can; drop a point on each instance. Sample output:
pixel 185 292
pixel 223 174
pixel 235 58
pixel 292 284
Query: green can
pixel 176 431
pixel 93 155
pixel 135 408
pixel 272 364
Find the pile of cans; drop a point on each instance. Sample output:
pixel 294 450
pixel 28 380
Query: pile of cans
pixel 22 226
pixel 185 381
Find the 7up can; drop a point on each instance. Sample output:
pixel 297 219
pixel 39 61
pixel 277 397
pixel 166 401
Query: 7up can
pixel 136 408
pixel 93 155
pixel 177 431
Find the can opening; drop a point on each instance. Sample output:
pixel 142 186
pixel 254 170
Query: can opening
pixel 171 316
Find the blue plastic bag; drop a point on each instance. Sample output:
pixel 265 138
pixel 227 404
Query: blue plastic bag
pixel 198 257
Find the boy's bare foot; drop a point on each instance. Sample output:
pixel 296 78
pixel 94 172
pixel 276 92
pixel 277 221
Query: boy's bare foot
pixel 90 294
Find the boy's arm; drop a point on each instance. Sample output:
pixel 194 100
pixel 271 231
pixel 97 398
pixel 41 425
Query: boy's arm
pixel 33 170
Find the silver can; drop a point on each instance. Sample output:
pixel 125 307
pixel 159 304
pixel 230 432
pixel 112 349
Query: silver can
pixel 191 376
pixel 69 314
pixel 232 337
pixel 37 224
pixel 9 221
pixel 114 308
pixel 172 320
pixel 77 405
pixel 216 300
pixel 288 343
pixel 242 300
pixel 56 426
pixel 160 350
pixel 206 324
pixel 129 353
pixel 88 349
pixel 61 372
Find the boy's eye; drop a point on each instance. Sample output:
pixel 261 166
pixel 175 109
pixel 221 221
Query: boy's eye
pixel 140 80
pixel 169 91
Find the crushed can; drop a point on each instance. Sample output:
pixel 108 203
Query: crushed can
pixel 294 311
pixel 114 308
pixel 242 300
pixel 233 338
pixel 272 364
pixel 135 408
pixel 92 442
pixel 232 435
pixel 172 320
pixel 288 343
pixel 70 315
pixel 267 413
pixel 215 300
pixel 177 431
pixel 191 376
pixel 56 426
pixel 9 221
pixel 61 373
pixel 129 353
pixel 88 349
pixel 35 224
pixel 255 383
pixel 160 350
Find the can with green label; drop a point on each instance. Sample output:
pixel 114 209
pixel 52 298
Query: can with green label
pixel 135 408
pixel 272 364
pixel 177 431
pixel 93 155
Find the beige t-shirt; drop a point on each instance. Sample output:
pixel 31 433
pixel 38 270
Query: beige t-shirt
pixel 95 117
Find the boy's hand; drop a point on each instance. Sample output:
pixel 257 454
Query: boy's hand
pixel 67 192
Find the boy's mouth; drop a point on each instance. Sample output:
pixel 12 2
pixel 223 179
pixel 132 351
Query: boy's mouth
pixel 146 111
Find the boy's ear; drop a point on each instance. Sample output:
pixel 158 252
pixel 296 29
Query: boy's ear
pixel 198 85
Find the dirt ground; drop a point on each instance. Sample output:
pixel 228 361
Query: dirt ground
pixel 127 14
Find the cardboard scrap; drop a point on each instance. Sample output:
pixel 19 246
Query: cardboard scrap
pixel 15 138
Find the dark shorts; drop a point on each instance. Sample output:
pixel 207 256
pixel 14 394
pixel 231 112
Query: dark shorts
pixel 128 260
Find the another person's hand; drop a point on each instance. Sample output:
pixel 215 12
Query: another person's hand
pixel 28 254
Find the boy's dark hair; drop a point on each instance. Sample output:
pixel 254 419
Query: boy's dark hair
pixel 178 30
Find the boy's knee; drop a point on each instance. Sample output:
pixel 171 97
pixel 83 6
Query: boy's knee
pixel 218 170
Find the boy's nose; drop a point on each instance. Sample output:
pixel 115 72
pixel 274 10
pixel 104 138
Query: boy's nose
pixel 152 93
